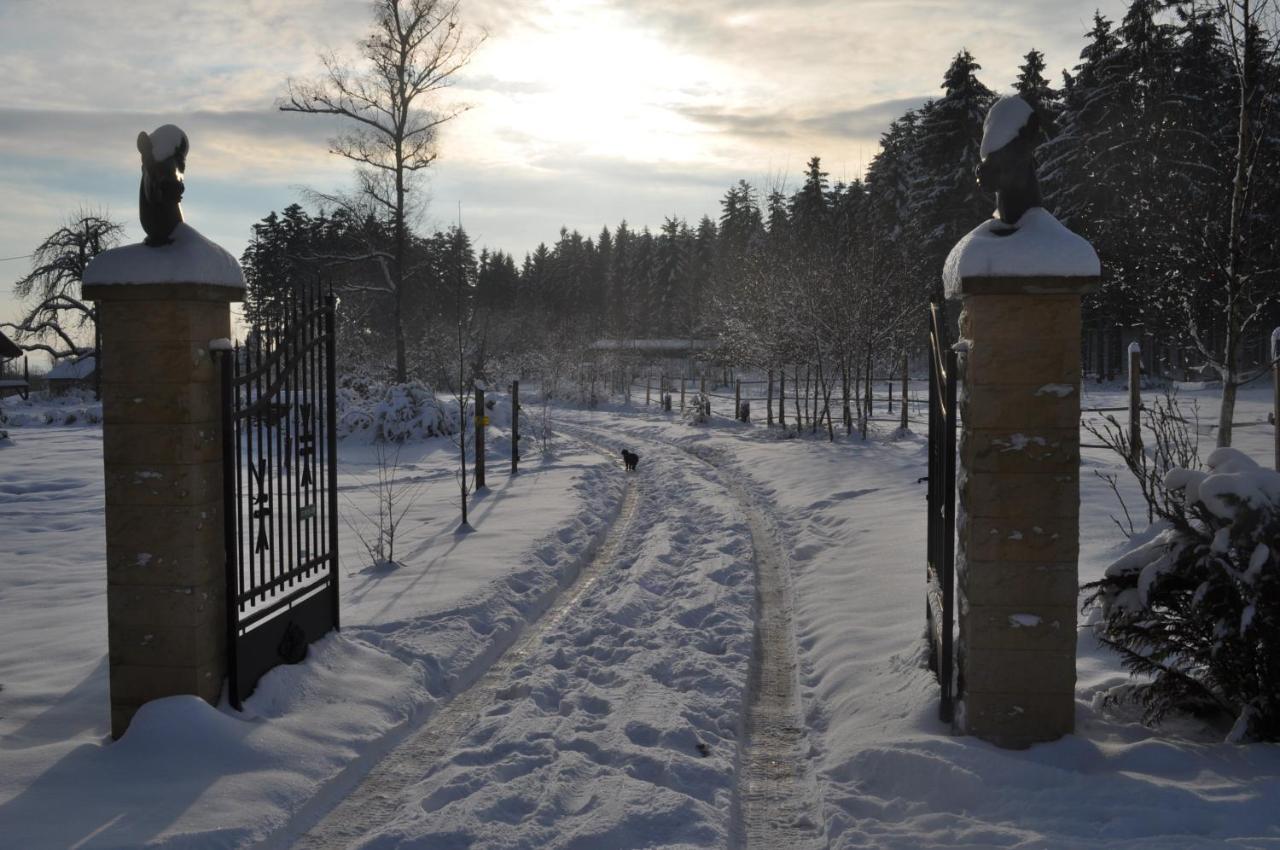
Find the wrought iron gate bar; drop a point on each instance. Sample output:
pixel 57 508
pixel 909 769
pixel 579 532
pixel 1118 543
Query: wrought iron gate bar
pixel 279 437
pixel 274 357
pixel 940 569
pixel 254 616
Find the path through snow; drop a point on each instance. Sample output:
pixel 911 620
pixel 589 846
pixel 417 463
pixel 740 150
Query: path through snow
pixel 615 721
pixel 375 801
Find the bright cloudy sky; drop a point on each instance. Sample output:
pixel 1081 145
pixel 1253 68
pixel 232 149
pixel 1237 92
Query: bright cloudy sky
pixel 584 112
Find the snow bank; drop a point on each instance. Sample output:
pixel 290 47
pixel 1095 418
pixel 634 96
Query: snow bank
pixel 891 775
pixel 189 258
pixel 190 775
pixel 1039 247
pixel 75 407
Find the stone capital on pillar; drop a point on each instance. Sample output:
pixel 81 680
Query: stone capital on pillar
pixel 1019 492
pixel 158 310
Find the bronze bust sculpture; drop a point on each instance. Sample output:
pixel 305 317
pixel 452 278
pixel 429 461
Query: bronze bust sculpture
pixel 164 160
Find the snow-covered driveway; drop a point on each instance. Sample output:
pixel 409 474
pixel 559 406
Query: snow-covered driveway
pixel 626 711
pixel 615 722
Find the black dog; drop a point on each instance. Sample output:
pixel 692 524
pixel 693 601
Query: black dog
pixel 630 459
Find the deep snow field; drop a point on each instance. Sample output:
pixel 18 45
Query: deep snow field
pixel 621 720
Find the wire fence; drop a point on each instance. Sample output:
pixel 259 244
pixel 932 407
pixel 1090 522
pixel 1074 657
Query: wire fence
pixel 798 402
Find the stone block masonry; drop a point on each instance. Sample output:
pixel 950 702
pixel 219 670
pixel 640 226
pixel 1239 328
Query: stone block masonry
pixel 1019 491
pixel 166 582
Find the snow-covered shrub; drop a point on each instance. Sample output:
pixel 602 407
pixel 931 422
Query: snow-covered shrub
pixel 75 407
pixel 393 412
pixel 1196 608
pixel 698 409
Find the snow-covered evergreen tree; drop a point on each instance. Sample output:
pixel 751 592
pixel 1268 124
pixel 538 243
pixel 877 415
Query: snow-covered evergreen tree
pixel 944 201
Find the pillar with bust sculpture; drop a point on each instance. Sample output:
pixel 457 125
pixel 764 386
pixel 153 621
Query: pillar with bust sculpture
pixel 160 305
pixel 1019 278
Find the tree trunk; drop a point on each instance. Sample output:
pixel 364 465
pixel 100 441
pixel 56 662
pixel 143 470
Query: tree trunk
pixel 867 410
pixel 796 394
pixel 846 414
pixel 401 238
pixel 1239 203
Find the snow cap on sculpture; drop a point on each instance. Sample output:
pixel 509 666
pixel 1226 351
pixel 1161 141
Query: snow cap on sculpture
pixel 1023 240
pixel 173 251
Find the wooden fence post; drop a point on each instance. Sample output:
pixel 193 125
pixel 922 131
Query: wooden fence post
pixel 768 403
pixel 737 400
pixel 905 389
pixel 1275 378
pixel 515 427
pixel 648 389
pixel 682 393
pixel 1135 401
pixel 481 421
pixel 782 397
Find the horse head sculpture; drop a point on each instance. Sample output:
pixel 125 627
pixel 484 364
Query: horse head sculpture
pixel 1008 159
pixel 164 160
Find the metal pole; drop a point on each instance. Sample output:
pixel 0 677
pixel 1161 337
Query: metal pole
pixel 229 514
pixel 331 426
pixel 948 538
pixel 97 358
pixel 1275 377
pixel 481 421
pixel 1135 402
pixel 515 427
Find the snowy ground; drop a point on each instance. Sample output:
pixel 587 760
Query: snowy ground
pixel 191 775
pixel 620 721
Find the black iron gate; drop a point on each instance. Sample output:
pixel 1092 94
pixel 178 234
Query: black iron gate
pixel 940 572
pixel 279 449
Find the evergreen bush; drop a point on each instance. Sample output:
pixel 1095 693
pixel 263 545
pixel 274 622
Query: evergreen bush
pixel 1195 610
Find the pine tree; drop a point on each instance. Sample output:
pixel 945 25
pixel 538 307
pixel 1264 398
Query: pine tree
pixel 810 212
pixel 665 277
pixel 1032 86
pixel 944 200
pixel 621 278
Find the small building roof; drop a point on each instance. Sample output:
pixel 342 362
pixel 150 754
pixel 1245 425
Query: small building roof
pixel 72 370
pixel 8 348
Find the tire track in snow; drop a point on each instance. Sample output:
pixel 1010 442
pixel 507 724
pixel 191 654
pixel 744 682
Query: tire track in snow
pixel 777 791
pixel 376 800
pixel 776 803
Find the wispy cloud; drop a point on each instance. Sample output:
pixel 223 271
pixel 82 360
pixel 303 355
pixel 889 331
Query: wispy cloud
pixel 586 111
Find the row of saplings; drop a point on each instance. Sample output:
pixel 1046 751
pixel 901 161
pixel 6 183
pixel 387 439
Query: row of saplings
pixel 1195 609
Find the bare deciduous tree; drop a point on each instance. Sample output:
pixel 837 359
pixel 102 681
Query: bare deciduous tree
pixel 1250 30
pixel 52 287
pixel 415 50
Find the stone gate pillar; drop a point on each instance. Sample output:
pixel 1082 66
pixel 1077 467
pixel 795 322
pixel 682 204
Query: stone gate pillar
pixel 158 310
pixel 1019 488
pixel 1019 278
